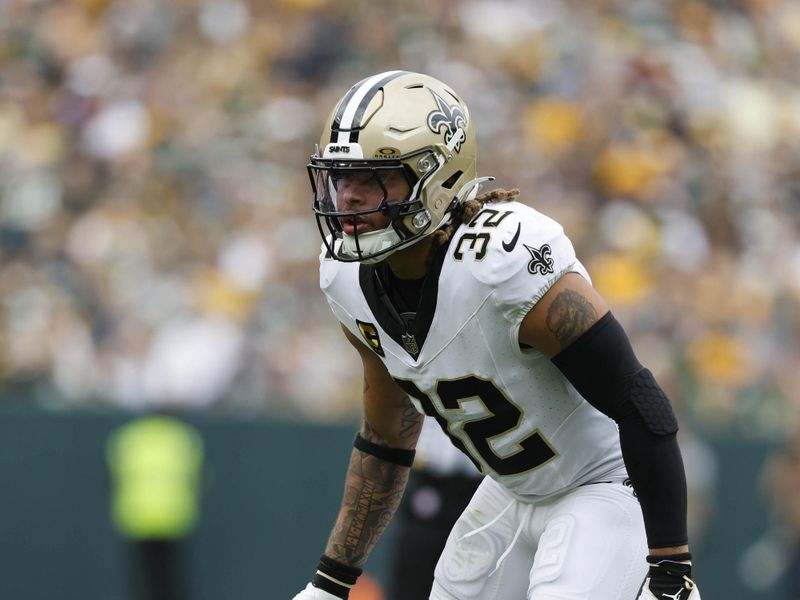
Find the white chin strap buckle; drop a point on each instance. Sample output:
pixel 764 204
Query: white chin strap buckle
pixel 459 135
pixel 469 190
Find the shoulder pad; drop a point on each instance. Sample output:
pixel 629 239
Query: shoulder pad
pixel 506 238
pixel 328 268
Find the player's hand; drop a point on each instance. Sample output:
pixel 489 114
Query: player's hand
pixel 313 593
pixel 668 580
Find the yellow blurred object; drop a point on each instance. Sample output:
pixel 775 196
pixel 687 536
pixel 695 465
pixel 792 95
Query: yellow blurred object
pixel 95 7
pixel 227 68
pixel 304 5
pixel 553 125
pixel 156 465
pixel 721 358
pixel 621 279
pixel 12 125
pixel 628 170
pixel 42 145
pixel 219 295
pixel 526 59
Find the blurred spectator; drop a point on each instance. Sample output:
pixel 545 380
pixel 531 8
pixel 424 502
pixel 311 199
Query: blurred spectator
pixel 156 242
pixel 156 464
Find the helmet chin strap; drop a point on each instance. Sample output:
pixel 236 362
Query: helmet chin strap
pixel 469 190
pixel 370 243
pixel 459 135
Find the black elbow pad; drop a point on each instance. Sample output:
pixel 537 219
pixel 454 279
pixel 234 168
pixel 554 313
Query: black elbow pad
pixel 602 366
pixel 651 403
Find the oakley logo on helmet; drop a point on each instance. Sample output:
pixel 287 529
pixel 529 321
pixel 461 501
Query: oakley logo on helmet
pixel 451 118
pixel 387 152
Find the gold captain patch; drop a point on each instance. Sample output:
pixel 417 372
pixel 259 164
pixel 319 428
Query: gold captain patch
pixel 370 335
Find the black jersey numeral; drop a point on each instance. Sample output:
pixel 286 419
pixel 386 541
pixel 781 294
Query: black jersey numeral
pixel 478 243
pixel 488 217
pixel 472 242
pixel 410 388
pixel 501 416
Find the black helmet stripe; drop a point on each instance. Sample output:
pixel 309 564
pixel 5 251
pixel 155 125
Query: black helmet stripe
pixel 351 110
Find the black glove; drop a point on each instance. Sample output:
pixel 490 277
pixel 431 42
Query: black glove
pixel 669 578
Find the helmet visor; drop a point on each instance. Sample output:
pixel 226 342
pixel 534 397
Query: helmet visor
pixel 340 189
pixel 355 200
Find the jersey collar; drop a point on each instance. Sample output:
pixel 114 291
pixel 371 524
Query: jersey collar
pixel 418 332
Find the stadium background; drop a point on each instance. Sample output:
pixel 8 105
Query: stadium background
pixel 158 250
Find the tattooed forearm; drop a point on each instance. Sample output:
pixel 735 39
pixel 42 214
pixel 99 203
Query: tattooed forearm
pixel 569 315
pixel 373 490
pixel 368 433
pixel 410 420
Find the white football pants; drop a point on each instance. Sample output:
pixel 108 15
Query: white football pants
pixel 586 545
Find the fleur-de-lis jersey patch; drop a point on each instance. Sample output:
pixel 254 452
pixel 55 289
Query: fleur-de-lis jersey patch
pixel 541 262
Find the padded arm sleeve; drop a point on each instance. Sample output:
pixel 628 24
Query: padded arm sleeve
pixel 602 366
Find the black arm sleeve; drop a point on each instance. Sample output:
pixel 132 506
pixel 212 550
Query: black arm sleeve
pixel 602 366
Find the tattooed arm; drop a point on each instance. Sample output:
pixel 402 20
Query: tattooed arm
pixel 603 368
pixel 375 482
pixel 566 311
pixel 374 487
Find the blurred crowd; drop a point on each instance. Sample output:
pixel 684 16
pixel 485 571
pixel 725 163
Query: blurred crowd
pixel 157 245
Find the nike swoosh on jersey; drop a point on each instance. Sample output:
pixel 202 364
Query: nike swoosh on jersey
pixel 509 246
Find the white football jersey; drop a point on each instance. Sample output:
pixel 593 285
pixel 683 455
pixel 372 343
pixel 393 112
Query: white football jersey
pixel 509 408
pixel 437 455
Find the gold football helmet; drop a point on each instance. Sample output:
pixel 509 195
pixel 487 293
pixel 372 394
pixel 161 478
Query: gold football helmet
pixel 388 124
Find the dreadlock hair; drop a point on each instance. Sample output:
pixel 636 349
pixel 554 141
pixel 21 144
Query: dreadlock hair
pixel 465 211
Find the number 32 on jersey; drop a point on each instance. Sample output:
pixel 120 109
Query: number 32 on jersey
pixel 500 417
pixel 478 242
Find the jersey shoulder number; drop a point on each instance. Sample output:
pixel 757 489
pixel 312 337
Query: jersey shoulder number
pixel 506 238
pixel 474 239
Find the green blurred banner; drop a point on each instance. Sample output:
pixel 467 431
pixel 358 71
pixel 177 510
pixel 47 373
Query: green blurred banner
pixel 269 493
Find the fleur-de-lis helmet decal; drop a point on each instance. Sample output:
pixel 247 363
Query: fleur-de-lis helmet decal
pixel 447 119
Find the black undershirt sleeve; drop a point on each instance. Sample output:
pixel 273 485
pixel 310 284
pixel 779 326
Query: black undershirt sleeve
pixel 603 368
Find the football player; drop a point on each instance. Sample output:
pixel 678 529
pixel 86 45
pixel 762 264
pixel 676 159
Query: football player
pixel 475 310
